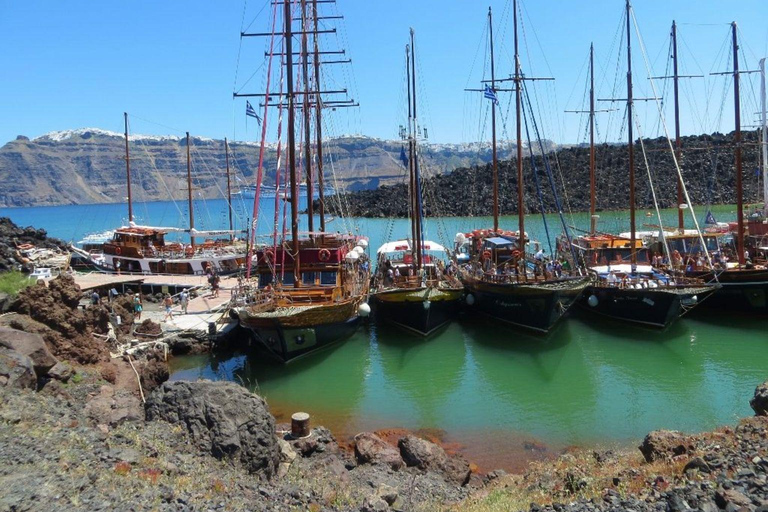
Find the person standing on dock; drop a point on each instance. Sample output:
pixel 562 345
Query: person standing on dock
pixel 137 306
pixel 184 301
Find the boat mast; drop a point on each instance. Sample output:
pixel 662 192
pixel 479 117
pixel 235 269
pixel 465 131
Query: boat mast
pixel 764 145
pixel 518 108
pixel 416 177
pixel 128 170
pixel 411 182
pixel 592 201
pixel 678 141
pixel 737 142
pixel 229 189
pixel 633 253
pixel 292 142
pixel 189 196
pixel 306 112
pixel 318 122
pixel 493 129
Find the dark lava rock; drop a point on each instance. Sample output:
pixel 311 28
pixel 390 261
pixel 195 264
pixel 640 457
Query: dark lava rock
pixel 662 444
pixel 759 402
pixel 188 342
pixel 371 449
pixel 428 456
pixel 31 345
pixel 697 464
pixel 223 418
pixel 61 372
pixel 16 370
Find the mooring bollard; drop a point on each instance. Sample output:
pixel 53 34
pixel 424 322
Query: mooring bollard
pixel 300 425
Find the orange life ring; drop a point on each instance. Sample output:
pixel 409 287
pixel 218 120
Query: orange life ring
pixel 516 254
pixel 25 247
pixel 486 255
pixel 118 251
pixel 324 255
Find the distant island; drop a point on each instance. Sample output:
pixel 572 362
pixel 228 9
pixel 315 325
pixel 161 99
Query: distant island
pixel 88 166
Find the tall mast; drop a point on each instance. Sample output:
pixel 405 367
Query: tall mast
pixel 592 201
pixel 229 187
pixel 411 181
pixel 678 141
pixel 189 196
pixel 493 129
pixel 764 131
pixel 416 177
pixel 128 170
pixel 630 136
pixel 518 108
pixel 307 116
pixel 292 141
pixel 318 122
pixel 737 142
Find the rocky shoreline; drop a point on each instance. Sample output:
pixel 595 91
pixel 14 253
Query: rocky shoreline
pixel 707 166
pixel 75 434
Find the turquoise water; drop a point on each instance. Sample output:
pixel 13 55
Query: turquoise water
pixel 490 389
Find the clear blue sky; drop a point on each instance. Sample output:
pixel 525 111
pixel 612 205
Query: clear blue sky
pixel 77 63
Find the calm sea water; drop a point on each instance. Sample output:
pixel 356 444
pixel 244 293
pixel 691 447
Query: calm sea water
pixel 491 390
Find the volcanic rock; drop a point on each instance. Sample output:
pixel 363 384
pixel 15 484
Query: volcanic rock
pixel 223 418
pixel 16 370
pixel 31 345
pixel 662 444
pixel 759 402
pixel 371 449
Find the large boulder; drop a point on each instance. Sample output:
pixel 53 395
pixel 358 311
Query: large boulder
pixel 31 345
pixel 222 418
pixel 371 449
pixel 664 444
pixel 16 370
pixel 759 402
pixel 429 456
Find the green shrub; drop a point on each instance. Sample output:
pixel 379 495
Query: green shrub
pixel 13 282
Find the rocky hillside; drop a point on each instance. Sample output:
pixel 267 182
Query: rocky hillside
pixel 707 166
pixel 88 166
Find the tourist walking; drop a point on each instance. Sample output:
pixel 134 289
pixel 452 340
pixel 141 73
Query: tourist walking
pixel 184 301
pixel 168 302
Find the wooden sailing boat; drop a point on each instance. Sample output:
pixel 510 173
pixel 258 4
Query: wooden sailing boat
pixel 412 288
pixel 144 249
pixel 631 292
pixel 502 279
pixel 308 290
pixel 744 282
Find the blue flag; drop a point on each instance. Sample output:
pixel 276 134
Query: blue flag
pixel 251 112
pixel 710 220
pixel 490 94
pixel 403 156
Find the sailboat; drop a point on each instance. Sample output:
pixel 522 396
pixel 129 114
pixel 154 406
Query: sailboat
pixel 412 288
pixel 744 281
pixel 503 279
pixel 303 291
pixel 637 291
pixel 144 249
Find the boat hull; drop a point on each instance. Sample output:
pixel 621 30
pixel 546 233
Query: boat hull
pixel 651 307
pixel 744 290
pixel 288 333
pixel 535 307
pixel 422 311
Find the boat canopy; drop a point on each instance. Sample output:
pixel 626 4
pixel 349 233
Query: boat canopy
pixel 405 245
pixel 498 242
